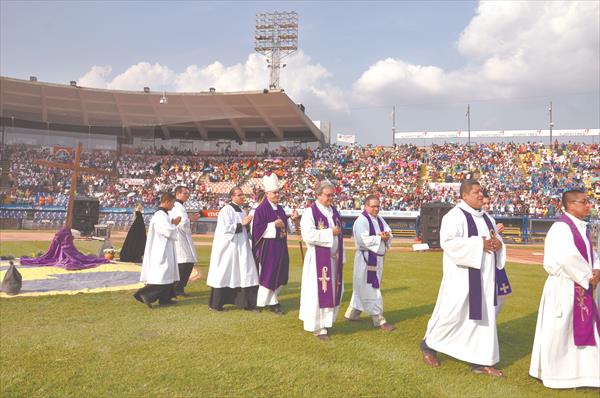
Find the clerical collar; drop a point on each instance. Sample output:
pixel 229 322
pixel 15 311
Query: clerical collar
pixel 577 221
pixel 463 205
pixel 323 207
pixel 177 200
pixel 236 207
pixel 163 209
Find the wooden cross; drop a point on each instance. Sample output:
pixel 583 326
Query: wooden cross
pixel 77 170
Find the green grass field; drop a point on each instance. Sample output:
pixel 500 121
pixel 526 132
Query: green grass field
pixel 109 345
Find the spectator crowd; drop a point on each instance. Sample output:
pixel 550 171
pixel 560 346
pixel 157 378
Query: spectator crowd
pixel 520 178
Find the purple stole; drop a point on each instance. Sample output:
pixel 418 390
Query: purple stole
pixel 271 254
pixel 371 259
pixel 500 278
pixel 329 297
pixel 585 313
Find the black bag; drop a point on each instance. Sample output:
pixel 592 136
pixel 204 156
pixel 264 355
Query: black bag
pixel 12 282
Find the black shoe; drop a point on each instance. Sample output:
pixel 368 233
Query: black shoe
pixel 167 303
pixel 277 309
pixel 215 309
pixel 142 299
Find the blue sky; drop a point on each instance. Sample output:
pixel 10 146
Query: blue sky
pixel 357 59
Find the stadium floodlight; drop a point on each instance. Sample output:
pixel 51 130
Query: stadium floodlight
pixel 163 99
pixel 276 37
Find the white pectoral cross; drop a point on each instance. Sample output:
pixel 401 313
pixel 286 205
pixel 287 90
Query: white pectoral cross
pixel 324 279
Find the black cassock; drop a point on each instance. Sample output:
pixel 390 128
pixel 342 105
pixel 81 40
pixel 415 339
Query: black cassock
pixel 135 242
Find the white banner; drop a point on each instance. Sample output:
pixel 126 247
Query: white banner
pixel 132 181
pixel 497 134
pixel 351 139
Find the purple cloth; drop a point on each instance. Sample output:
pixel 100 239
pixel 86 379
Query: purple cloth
pixel 271 255
pixel 329 297
pixel 63 254
pixel 585 312
pixel 502 284
pixel 475 297
pixel 372 256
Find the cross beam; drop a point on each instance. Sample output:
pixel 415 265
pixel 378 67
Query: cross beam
pixel 77 171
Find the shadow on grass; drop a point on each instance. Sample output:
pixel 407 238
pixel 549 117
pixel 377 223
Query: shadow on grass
pixel 515 341
pixel 409 313
pixel 516 338
pixel 393 317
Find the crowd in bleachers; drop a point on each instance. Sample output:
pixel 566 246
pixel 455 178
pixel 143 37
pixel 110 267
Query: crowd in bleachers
pixel 521 178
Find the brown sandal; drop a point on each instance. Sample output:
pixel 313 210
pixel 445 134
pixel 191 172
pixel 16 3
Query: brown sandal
pixel 487 370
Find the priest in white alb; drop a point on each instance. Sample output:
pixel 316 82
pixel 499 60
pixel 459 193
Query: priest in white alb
pixel 322 283
pixel 566 347
pixel 159 267
pixel 373 238
pixel 463 323
pixel 184 244
pixel 232 273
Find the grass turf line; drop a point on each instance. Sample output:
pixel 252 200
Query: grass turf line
pixel 107 344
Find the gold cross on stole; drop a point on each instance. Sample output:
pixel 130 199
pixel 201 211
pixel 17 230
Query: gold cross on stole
pixel 324 279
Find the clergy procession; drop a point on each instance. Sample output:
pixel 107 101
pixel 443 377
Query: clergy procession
pixel 250 265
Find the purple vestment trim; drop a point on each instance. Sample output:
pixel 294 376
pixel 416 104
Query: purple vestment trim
pixel 271 255
pixel 585 312
pixel 329 296
pixel 475 297
pixel 372 257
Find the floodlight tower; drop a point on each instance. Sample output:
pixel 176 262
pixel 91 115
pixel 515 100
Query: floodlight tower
pixel 276 37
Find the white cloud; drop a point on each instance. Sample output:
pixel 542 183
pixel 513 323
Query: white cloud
pixel 141 75
pixel 511 49
pixel 96 77
pixel 302 79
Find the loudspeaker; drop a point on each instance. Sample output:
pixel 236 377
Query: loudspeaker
pixel 431 221
pixel 86 212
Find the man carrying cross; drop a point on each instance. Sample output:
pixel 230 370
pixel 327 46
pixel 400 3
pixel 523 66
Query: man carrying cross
pixel 322 286
pixel 463 323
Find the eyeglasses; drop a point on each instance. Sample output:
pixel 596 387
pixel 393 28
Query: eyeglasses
pixel 583 202
pixel 329 195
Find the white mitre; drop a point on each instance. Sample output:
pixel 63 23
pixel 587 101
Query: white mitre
pixel 271 183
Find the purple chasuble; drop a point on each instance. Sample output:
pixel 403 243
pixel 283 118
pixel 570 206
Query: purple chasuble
pixel 329 297
pixel 371 259
pixel 501 283
pixel 63 254
pixel 585 312
pixel 271 254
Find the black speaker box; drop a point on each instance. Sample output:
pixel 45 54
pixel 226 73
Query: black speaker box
pixel 431 221
pixel 86 212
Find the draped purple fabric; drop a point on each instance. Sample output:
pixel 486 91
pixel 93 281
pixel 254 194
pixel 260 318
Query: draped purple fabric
pixel 63 254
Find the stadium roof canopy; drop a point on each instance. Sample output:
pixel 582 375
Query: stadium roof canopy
pixel 260 116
